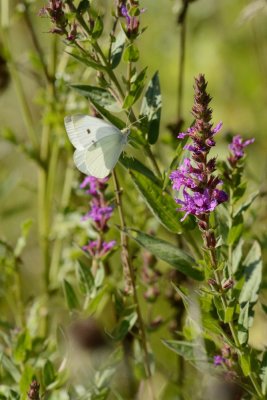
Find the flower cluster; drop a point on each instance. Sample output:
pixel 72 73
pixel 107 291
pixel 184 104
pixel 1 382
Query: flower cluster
pixel 100 213
pixel 201 194
pixel 237 149
pixel 131 12
pixel 227 357
pixel 55 11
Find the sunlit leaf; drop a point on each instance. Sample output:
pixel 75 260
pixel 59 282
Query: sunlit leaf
pixel 48 373
pixel 160 203
pixel 70 295
pixel 151 109
pixel 117 49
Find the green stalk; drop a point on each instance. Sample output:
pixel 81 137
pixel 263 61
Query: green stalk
pixel 129 267
pixel 26 113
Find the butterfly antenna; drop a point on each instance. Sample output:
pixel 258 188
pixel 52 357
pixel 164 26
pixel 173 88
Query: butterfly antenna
pixel 135 122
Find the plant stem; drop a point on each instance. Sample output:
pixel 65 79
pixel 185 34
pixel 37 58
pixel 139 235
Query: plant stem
pixel 26 113
pixel 128 265
pixel 35 41
pixel 182 22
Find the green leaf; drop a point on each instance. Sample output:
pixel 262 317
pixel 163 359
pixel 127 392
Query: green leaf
pixel 247 204
pixel 70 295
pixel 237 256
pixel 124 326
pixel 9 367
pixel 83 6
pixel 49 373
pixel 243 324
pixel 167 252
pixel 188 350
pixel 253 274
pixel 98 28
pixel 98 95
pixel 86 278
pixel 161 204
pixel 131 163
pixel 23 345
pixel 248 297
pixel 102 110
pixel 131 54
pixel 219 307
pixel 263 374
pixel 95 303
pixel 25 381
pixel 117 49
pixel 235 231
pixel 89 63
pixel 245 363
pixel 136 86
pixel 151 109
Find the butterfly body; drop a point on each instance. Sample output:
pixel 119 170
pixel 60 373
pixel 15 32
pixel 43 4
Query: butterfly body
pixel 98 144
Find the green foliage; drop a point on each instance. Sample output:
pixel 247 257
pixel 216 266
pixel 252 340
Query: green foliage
pixel 167 252
pixel 151 109
pixel 162 272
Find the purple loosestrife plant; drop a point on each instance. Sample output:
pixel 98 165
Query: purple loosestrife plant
pixel 195 178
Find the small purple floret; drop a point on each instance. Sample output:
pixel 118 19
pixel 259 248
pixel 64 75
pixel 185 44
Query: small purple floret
pixel 237 146
pixel 98 213
pixel 95 185
pixel 218 360
pixel 99 249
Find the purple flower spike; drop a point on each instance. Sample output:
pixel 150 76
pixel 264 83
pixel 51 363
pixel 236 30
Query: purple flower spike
pixel 199 187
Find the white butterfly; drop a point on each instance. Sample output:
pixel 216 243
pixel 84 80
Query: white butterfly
pixel 98 144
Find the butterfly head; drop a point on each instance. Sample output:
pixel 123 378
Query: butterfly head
pixel 125 132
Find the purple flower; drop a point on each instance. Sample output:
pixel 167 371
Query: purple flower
pixel 97 248
pixel 218 360
pixel 186 175
pixel 99 214
pixel 95 185
pixel 132 21
pixel 199 203
pixel 237 146
pixel 107 246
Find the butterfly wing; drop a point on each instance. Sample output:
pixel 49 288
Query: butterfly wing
pixel 79 159
pixel 103 155
pixel 83 130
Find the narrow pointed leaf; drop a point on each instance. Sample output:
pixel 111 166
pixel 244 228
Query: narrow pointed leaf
pixel 89 63
pixel 167 252
pixel 160 203
pixel 98 95
pixel 117 49
pixel 151 109
pixel 70 295
pixel 248 297
pixel 133 164
pixel 99 106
